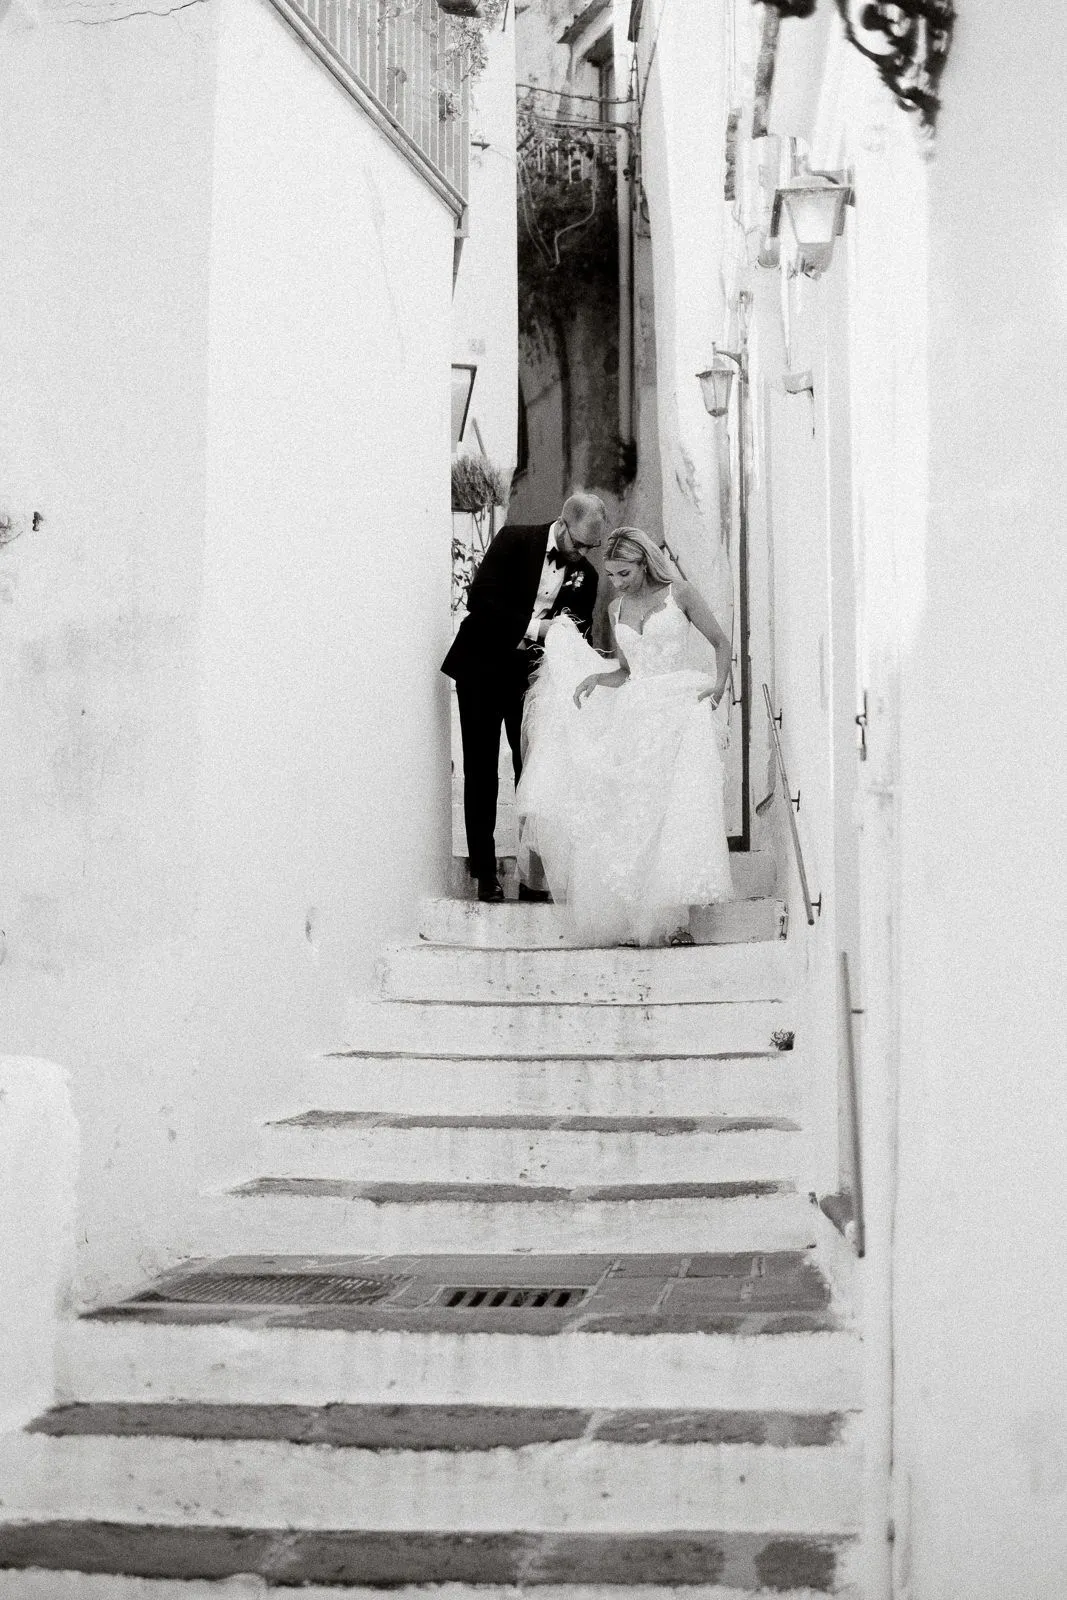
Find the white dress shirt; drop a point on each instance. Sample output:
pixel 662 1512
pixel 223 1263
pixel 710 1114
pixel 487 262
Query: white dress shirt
pixel 549 587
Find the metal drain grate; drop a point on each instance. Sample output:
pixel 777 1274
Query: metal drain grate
pixel 273 1289
pixel 540 1298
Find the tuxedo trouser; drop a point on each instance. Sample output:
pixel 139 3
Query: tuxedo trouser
pixel 487 704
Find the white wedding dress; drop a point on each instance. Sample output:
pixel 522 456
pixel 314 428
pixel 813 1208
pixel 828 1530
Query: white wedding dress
pixel 623 798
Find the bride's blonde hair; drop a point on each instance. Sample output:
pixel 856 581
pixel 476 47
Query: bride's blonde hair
pixel 631 544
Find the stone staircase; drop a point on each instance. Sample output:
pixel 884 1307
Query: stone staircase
pixel 525 1292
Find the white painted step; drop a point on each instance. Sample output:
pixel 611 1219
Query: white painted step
pixel 39 1585
pixel 321 1223
pixel 701 973
pixel 372 1148
pixel 522 926
pixel 250 1364
pixel 683 1086
pixel 465 1030
pixel 754 872
pixel 575 1485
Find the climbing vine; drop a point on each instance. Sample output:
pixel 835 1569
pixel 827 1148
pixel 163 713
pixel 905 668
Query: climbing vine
pixel 464 38
pixel 568 241
pixel 568 259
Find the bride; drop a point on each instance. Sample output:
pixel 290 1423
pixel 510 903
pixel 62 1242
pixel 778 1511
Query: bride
pixel 621 793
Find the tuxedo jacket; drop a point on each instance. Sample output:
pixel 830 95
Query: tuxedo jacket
pixel 502 597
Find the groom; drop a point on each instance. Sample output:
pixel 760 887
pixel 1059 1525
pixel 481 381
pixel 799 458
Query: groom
pixel 528 577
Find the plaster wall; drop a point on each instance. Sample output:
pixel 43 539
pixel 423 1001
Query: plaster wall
pixel 538 26
pixel 224 379
pixel 682 125
pixel 818 404
pixel 981 1296
pixel 861 331
pixel 38 1174
pixel 485 329
pixel 105 188
pixel 958 573
pixel 325 770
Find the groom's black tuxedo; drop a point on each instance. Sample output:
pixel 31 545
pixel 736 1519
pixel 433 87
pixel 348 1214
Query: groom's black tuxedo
pixel 491 661
pixel 501 600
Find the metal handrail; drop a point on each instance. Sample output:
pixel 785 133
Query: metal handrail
pixel 810 905
pixel 856 1231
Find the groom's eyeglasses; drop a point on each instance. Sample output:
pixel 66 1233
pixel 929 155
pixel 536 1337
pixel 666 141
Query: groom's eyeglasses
pixel 579 544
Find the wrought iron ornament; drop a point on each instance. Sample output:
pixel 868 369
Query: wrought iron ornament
pixel 792 8
pixel 909 42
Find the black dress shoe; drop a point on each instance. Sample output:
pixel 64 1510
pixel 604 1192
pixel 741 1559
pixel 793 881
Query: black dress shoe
pixel 540 896
pixel 490 890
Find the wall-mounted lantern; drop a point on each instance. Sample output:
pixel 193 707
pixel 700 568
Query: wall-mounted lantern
pixel 814 204
pixel 798 382
pixel 716 381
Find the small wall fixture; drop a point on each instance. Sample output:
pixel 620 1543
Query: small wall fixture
pixel 716 381
pixel 814 203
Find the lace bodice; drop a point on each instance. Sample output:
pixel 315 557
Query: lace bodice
pixel 660 646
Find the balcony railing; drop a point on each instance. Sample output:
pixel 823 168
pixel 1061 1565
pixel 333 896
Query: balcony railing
pixel 402 62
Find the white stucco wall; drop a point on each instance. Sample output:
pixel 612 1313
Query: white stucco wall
pixel 485 330
pixel 981 1291
pixel 106 181
pixel 956 395
pixel 682 116
pixel 225 384
pixel 38 1175
pixel 326 564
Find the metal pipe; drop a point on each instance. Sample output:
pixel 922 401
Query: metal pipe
pixel 624 214
pixel 745 630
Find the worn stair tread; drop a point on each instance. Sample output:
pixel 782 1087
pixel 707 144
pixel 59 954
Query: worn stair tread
pixel 36 1584
pixel 555 1486
pixel 328 1215
pixel 762 1085
pixel 470 924
pixel 530 1122
pixel 478 1193
pixel 724 974
pixel 563 1153
pixel 465 1029
pixel 440 1427
pixel 251 1358
pixel 754 872
pixel 385 1560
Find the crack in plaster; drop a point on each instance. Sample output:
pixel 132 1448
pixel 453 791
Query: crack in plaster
pixel 99 22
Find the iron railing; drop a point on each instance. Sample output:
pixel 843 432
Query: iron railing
pixel 403 62
pixel 810 906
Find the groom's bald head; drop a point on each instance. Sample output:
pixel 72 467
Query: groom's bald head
pixel 587 518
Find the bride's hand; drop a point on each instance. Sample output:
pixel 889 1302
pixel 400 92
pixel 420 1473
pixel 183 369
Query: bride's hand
pixel 710 694
pixel 585 688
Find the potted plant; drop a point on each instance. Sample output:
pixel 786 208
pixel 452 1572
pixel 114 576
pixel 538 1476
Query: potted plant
pixel 478 487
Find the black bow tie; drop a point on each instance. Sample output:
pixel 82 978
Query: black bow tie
pixel 555 559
